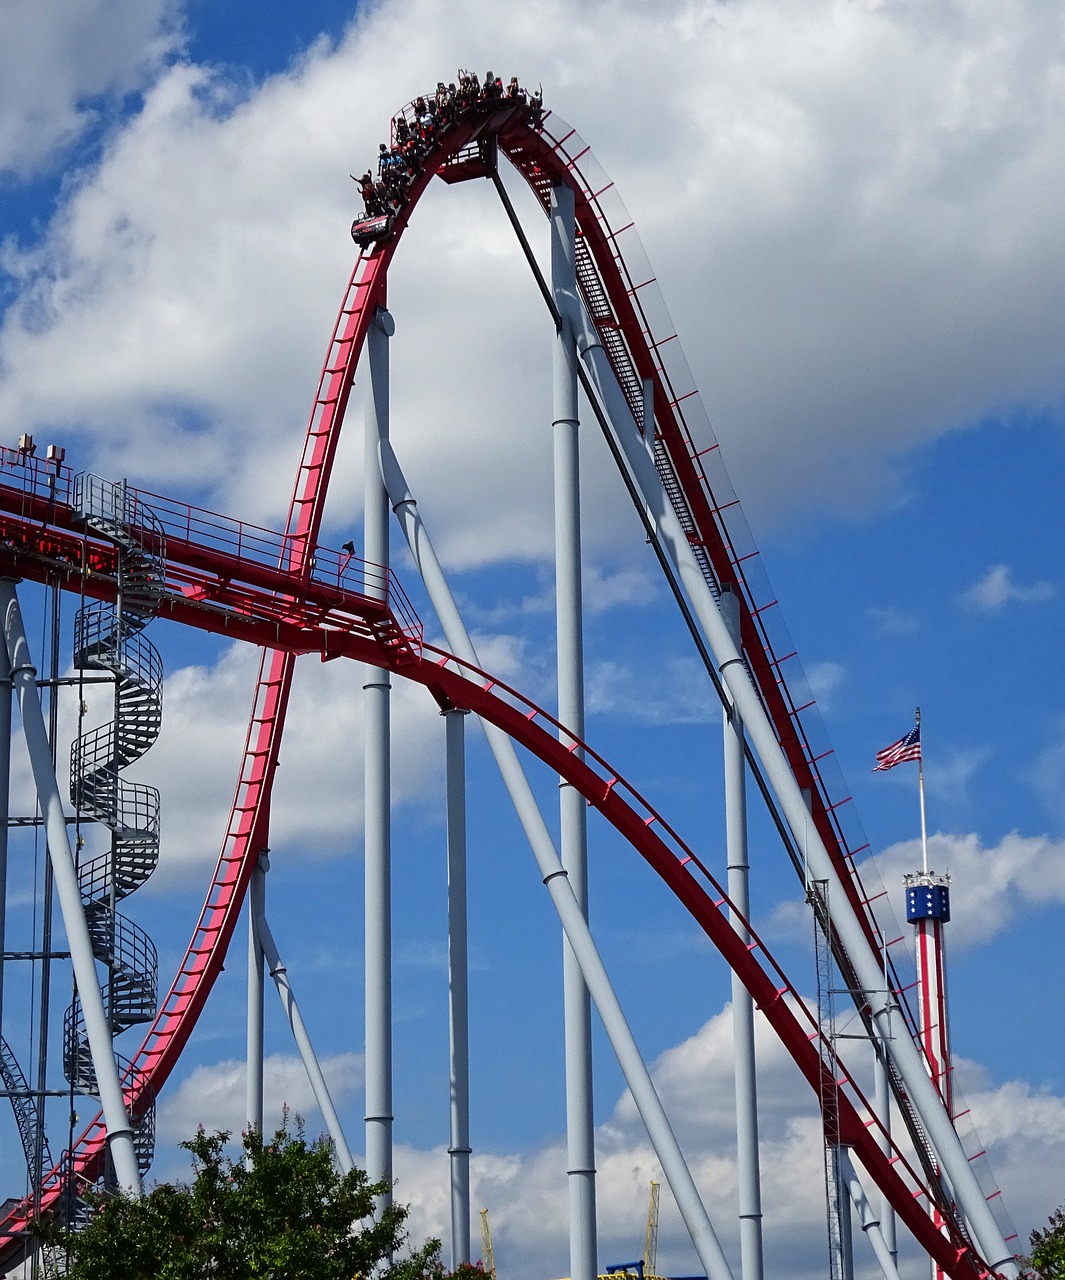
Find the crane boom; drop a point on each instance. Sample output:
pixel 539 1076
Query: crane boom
pixel 488 1256
pixel 650 1243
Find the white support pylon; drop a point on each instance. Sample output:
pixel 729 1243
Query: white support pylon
pixel 376 712
pixel 303 1043
pixel 24 675
pixel 580 1121
pixel 748 1169
pixel 458 986
pixel 256 985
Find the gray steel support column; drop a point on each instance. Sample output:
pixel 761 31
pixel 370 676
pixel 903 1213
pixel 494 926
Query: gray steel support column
pixel 870 1224
pixel 747 1161
pixel 303 1042
pixel 378 859
pixel 840 1235
pixel 904 1053
pixel 883 1112
pixel 458 985
pixel 5 795
pixel 564 900
pixel 116 1118
pixel 256 985
pixel 580 1123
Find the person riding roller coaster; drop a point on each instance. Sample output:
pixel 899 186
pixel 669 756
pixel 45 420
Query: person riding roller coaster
pixel 420 127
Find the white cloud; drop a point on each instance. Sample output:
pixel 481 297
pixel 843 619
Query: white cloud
pixel 321 754
pixel 196 759
pixel 676 691
pixel 1047 777
pixel 825 680
pixel 948 777
pixel 526 1194
pixel 845 204
pixel 214 1096
pixel 889 621
pixel 603 590
pixel 990 885
pixel 58 59
pixel 997 588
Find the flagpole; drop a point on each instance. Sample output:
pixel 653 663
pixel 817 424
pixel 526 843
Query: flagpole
pixel 920 789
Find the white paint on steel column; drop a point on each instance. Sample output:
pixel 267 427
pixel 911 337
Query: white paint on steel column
pixel 256 983
pixel 458 985
pixel 303 1043
pixel 5 794
pixel 870 1224
pixel 24 675
pixel 580 1123
pixel 840 1233
pixel 904 1053
pixel 883 1137
pixel 748 1168
pixel 378 869
pixel 555 877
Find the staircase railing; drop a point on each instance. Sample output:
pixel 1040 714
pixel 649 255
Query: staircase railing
pixel 108 638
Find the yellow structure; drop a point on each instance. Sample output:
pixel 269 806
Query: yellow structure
pixel 488 1257
pixel 650 1240
pixel 647 1269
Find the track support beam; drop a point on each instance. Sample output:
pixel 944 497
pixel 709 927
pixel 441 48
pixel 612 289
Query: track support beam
pixel 580 1123
pixel 303 1043
pixel 458 985
pixel 24 674
pixel 256 985
pixel 748 1167
pixel 5 794
pixel 870 1224
pixel 376 711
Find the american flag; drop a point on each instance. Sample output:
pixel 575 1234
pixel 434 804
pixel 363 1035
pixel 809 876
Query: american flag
pixel 908 748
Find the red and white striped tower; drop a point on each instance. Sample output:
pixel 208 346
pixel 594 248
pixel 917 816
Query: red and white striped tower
pixel 928 910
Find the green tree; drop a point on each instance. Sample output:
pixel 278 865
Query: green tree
pixel 281 1212
pixel 1047 1258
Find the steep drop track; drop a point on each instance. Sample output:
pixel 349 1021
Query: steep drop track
pixel 252 585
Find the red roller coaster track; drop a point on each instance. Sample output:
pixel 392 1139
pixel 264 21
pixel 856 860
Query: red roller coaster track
pixel 290 596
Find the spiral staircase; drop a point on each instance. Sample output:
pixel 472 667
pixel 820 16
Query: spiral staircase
pixel 108 640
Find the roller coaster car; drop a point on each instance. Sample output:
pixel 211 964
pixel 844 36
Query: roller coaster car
pixel 367 231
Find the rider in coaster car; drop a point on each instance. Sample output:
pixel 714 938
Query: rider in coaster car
pixel 536 105
pixel 369 197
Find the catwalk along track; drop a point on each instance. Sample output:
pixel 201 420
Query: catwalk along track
pixel 290 596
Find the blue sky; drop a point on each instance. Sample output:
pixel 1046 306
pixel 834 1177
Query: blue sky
pixel 853 213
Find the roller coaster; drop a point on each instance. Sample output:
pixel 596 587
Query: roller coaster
pixel 289 596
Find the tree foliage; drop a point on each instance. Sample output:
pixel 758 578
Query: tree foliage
pixel 281 1212
pixel 1047 1258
